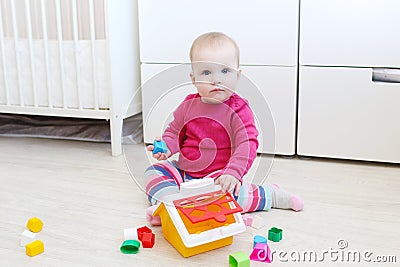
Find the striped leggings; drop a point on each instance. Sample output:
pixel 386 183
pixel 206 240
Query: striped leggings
pixel 164 178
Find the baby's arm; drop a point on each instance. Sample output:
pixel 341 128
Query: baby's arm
pixel 175 132
pixel 244 138
pixel 172 135
pixel 229 184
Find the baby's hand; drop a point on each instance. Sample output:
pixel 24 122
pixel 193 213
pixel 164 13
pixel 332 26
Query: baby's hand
pixel 159 155
pixel 229 184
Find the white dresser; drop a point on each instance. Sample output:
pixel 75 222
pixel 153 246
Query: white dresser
pixel 267 34
pixel 343 113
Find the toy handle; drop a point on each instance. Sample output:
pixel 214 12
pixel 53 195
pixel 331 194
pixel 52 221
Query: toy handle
pixel 199 186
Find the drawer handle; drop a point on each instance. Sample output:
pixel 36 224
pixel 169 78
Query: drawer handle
pixel 386 75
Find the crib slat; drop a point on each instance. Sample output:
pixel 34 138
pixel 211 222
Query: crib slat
pixel 76 51
pixel 31 56
pixel 17 51
pixel 4 59
pixel 60 52
pixel 93 47
pixel 46 52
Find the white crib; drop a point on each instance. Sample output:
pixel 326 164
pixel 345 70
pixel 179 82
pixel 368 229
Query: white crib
pixel 70 58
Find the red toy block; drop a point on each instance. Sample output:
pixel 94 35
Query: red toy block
pixel 148 240
pixel 142 230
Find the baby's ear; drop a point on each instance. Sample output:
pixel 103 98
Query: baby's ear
pixel 239 73
pixel 192 77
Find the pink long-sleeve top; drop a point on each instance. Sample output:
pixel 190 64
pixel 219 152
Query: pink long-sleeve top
pixel 212 137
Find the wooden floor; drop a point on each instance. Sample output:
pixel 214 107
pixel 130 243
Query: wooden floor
pixel 86 198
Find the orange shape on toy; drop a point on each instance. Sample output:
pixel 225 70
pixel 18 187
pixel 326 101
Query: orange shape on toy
pixel 214 205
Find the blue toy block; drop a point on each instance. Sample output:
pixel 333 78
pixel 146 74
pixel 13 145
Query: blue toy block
pixel 159 146
pixel 259 239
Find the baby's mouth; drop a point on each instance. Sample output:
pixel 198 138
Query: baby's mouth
pixel 217 90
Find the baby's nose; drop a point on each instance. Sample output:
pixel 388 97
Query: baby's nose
pixel 216 79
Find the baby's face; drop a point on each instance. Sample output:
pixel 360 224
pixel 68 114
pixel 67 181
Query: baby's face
pixel 215 72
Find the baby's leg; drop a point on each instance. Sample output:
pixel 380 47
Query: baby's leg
pixel 264 197
pixel 162 179
pixel 282 199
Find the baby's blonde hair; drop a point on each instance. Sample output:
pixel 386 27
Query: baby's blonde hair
pixel 212 39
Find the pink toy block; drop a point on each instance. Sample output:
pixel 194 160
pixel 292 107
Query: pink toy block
pixel 142 230
pixel 262 253
pixel 248 219
pixel 148 240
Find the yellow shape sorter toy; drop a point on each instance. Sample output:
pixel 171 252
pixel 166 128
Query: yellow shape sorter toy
pixel 200 217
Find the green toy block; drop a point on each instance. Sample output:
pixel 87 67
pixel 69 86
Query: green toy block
pixel 239 259
pixel 275 234
pixel 130 247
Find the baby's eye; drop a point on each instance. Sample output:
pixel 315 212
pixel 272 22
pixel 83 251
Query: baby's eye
pixel 225 71
pixel 206 72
